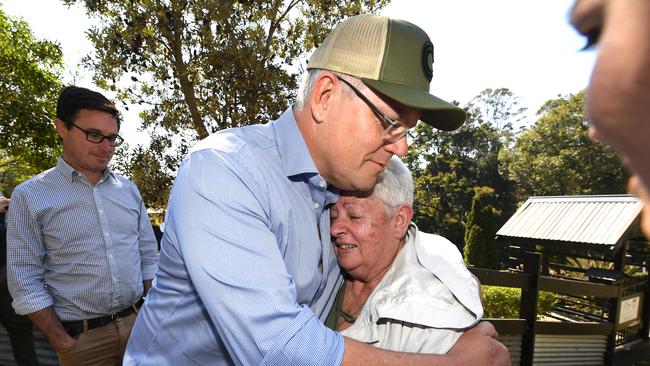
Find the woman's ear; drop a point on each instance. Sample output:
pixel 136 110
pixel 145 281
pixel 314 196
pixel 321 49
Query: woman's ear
pixel 403 216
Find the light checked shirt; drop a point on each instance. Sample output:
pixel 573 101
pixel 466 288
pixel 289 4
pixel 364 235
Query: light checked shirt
pixel 247 273
pixel 83 249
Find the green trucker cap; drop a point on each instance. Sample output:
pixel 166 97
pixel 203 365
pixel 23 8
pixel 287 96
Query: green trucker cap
pixel 391 56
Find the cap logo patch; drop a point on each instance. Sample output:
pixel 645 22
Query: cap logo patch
pixel 427 60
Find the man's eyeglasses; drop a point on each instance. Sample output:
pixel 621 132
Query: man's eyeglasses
pixel 98 138
pixel 395 130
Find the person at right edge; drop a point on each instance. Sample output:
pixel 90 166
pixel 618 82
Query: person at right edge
pixel 247 273
pixel 618 96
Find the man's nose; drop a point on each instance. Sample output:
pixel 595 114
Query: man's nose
pixel 107 145
pixel 399 147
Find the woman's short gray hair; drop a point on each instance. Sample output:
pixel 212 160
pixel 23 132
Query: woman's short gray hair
pixel 309 81
pixel 395 185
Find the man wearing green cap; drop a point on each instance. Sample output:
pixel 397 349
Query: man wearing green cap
pixel 247 273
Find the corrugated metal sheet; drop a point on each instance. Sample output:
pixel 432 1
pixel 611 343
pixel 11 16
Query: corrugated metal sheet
pixel 569 350
pixel 560 350
pixel 513 343
pixel 582 219
pixel 44 353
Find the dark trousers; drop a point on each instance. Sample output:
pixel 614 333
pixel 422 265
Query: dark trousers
pixel 19 328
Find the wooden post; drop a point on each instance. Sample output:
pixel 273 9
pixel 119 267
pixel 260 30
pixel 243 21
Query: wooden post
pixel 645 312
pixel 613 318
pixel 528 307
pixel 619 256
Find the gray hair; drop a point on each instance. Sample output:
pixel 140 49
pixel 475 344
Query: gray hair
pixel 309 81
pixel 395 185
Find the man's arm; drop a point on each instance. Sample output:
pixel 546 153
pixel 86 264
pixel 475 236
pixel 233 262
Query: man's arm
pixel 219 216
pixel 50 325
pixel 476 346
pixel 25 258
pixel 147 245
pixel 25 273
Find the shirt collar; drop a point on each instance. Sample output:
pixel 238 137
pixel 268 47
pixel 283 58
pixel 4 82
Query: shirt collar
pixel 291 146
pixel 69 172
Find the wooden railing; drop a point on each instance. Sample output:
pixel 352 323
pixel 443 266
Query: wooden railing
pixel 531 282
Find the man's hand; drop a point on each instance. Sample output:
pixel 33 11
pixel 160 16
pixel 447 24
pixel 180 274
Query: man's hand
pixel 478 346
pixel 50 325
pixel 62 344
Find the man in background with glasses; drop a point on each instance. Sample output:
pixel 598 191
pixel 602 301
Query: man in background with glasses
pixel 81 252
pixel 247 273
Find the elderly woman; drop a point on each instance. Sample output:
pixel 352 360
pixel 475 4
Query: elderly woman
pixel 404 290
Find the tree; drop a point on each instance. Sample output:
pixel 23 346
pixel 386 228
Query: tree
pixel 149 168
pixel 29 86
pixel 500 107
pixel 480 245
pixel 204 65
pixel 447 166
pixel 557 157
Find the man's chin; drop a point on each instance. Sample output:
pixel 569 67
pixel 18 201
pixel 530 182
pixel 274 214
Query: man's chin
pixel 99 168
pixel 365 186
pixel 356 183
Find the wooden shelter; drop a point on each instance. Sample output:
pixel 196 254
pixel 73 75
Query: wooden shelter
pixel 592 254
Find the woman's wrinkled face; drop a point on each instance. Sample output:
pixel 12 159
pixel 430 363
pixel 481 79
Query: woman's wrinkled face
pixel 364 236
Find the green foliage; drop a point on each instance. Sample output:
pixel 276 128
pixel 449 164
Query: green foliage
pixel 557 157
pixel 29 86
pixel 480 245
pixel 504 302
pixel 12 172
pixel 447 166
pixel 554 157
pixel 148 168
pixel 199 66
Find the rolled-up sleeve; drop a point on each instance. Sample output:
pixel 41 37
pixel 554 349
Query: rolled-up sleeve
pixel 25 258
pixel 222 221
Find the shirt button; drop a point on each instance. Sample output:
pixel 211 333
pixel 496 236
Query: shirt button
pixel 316 205
pixel 101 211
pixel 322 184
pixel 106 233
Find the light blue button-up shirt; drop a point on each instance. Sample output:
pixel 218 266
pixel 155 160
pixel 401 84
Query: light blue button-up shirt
pixel 80 248
pixel 247 272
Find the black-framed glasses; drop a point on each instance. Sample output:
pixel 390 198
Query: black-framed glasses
pixel 98 138
pixel 395 130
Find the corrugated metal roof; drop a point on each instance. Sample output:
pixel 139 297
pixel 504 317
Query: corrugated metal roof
pixel 560 350
pixel 582 219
